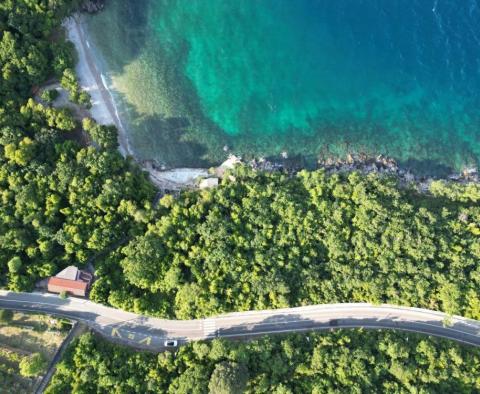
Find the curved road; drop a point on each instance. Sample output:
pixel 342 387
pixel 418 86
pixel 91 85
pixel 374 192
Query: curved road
pixel 150 333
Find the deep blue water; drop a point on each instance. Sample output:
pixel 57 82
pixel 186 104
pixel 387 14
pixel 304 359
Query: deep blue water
pixel 310 77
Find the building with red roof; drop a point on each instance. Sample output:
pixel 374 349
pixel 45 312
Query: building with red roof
pixel 71 280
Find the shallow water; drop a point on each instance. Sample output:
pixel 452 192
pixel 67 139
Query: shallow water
pixel 310 77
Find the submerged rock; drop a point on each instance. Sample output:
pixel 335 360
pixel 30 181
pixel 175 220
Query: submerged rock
pixel 92 6
pixel 470 174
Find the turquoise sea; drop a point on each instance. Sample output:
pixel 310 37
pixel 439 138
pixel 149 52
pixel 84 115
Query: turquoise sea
pixel 313 78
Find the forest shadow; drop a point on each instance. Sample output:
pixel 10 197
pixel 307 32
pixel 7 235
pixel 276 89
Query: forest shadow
pixel 426 168
pixel 285 323
pixel 168 138
pixel 132 35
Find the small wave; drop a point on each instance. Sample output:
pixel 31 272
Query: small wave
pixel 473 7
pixel 104 82
pixel 112 98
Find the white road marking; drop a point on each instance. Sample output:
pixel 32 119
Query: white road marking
pixel 209 328
pixel 256 333
pixel 403 322
pixel 136 327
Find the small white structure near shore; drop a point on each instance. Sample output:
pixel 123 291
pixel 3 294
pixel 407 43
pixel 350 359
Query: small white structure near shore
pixel 208 183
pixel 181 178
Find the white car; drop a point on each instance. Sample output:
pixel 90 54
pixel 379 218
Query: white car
pixel 171 343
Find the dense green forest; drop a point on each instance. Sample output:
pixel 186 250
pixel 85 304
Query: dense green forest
pixel 33 49
pixel 61 203
pixel 350 361
pixel 268 240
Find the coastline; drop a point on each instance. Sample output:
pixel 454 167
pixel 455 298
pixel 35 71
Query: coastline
pixel 104 111
pixel 103 108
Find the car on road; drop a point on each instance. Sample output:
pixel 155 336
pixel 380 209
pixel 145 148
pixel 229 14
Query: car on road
pixel 171 343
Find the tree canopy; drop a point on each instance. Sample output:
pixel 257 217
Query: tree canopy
pixel 61 203
pixel 29 53
pixel 33 365
pixel 351 361
pixel 268 240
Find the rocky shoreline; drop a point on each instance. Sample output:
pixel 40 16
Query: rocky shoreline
pixel 188 178
pixel 377 165
pixel 386 165
pixel 361 163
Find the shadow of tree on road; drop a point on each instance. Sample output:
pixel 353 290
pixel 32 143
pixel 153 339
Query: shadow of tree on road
pixel 284 324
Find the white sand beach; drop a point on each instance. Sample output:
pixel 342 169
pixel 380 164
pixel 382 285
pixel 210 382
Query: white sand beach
pixel 103 108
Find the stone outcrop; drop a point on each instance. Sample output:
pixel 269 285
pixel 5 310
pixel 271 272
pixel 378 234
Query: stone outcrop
pixel 92 6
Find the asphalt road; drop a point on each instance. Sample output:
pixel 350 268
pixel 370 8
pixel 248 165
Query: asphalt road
pixel 150 333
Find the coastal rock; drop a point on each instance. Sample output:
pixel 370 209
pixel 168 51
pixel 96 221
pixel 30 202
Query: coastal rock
pixel 328 161
pixel 454 177
pixel 92 6
pixel 469 171
pixel 409 177
pixel 231 162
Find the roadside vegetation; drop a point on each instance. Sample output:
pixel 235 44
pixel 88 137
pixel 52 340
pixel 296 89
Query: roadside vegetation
pixel 27 344
pixel 352 361
pixel 268 240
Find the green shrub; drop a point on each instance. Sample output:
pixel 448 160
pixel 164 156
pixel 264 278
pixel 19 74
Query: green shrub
pixel 6 315
pixel 49 96
pixel 32 365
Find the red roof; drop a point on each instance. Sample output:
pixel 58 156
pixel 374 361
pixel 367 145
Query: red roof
pixel 67 283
